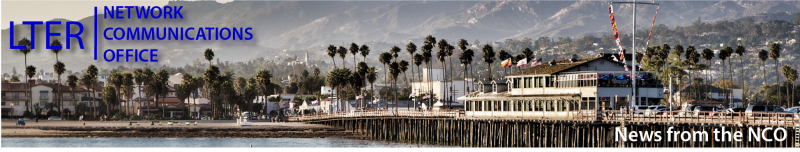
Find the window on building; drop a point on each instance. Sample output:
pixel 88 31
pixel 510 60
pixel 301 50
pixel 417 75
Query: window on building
pixel 43 94
pixel 549 81
pixel 15 95
pixel 515 83
pixel 506 106
pixel 528 82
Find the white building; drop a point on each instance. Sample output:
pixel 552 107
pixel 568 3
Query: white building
pixel 557 87
pixel 438 86
pixel 327 90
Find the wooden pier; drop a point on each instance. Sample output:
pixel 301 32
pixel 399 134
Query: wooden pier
pixel 448 128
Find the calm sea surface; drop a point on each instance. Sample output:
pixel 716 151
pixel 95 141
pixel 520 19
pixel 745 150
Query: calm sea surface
pixel 199 142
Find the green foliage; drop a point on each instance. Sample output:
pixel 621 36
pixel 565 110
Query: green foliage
pixel 208 54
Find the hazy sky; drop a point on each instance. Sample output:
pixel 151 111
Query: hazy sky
pixel 34 10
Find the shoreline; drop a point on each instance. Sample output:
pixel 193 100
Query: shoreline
pixel 204 129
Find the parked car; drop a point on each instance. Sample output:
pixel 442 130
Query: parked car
pixel 733 111
pixel 26 118
pixel 795 109
pixel 757 111
pixel 686 110
pixel 707 110
pixel 203 117
pixel 655 109
pixel 54 118
pixel 639 109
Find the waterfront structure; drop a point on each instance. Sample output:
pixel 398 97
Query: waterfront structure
pixel 560 87
pixel 439 86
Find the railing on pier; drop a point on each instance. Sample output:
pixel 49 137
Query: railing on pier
pixel 379 113
pixel 709 117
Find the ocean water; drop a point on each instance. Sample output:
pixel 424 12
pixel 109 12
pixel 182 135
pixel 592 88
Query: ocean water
pixel 202 142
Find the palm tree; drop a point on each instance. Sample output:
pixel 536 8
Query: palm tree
pixel 364 50
pixel 127 84
pixel 385 58
pixel 740 50
pixel 774 54
pixel 332 53
pixel 723 55
pixel 148 80
pixel 72 82
pixel 441 56
pixel 411 48
pixel 488 57
pixel 707 55
pixel 139 77
pixel 116 80
pixel 57 48
pixel 59 69
pixel 448 52
pixel 418 59
pixel 263 80
pixel 394 71
pixel 361 72
pixel 26 44
pixel 30 71
pixel 466 59
pixel 210 78
pixel 692 57
pixel 354 51
pixel 190 83
pixel 403 67
pixel 342 53
pixel 791 75
pixel 427 53
pixel 89 81
pixel 338 78
pixel 763 55
pixel 463 44
pixel 372 75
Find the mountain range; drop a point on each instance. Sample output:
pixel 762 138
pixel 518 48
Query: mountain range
pixel 283 28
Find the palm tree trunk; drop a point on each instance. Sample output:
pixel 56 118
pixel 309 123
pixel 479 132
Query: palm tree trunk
pixel 334 62
pixel 778 82
pixel 28 99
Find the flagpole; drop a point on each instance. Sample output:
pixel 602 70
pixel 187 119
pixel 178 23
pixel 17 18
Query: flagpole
pixel 633 49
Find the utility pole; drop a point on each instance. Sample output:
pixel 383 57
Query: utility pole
pixel 633 48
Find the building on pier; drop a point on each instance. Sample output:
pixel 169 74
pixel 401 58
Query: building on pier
pixel 562 87
pixel 435 83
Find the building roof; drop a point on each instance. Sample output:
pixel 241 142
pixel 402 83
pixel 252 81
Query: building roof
pixel 14 87
pixel 507 95
pixel 560 65
pixel 64 88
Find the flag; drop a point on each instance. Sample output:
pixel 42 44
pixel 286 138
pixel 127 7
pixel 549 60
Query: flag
pixel 536 62
pixel 522 62
pixel 375 101
pixel 412 95
pixel 426 97
pixel 651 33
pixel 359 97
pixel 506 63
pixel 616 34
